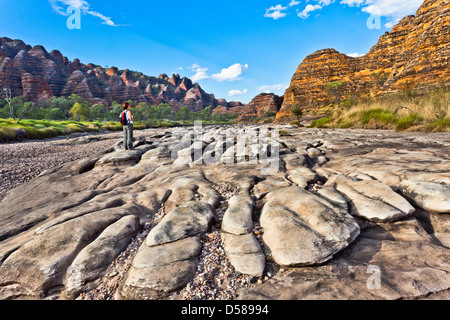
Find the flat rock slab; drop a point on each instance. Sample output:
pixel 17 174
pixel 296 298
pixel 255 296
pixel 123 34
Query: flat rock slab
pixel 269 185
pixel 40 264
pixel 293 161
pixel 314 152
pixel 244 253
pixel 157 271
pixel 333 196
pixel 430 196
pixel 437 224
pixel 371 199
pixel 59 231
pixel 302 176
pixel 121 158
pixel 303 229
pixel 242 248
pixel 190 219
pixel 396 260
pixel 238 217
pixel 94 259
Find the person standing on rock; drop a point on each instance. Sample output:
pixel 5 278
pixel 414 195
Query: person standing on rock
pixel 127 127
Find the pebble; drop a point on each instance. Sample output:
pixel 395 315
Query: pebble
pixel 215 279
pixel 22 161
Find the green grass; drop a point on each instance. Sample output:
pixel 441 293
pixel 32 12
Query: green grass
pixel 438 125
pixel 409 121
pixel 346 124
pixel 10 130
pixel 320 123
pixel 378 116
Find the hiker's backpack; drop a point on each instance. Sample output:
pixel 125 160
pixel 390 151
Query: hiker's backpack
pixel 123 118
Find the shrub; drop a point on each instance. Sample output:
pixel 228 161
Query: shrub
pixel 346 124
pixel 379 116
pixel 320 123
pixel 139 126
pixel 7 134
pixel 34 133
pixel 438 125
pixel 408 122
pixel 297 111
pixel 39 126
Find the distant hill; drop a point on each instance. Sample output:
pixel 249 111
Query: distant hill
pixel 34 73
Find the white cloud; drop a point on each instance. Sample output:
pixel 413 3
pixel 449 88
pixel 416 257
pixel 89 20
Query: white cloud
pixel 201 69
pixel 179 68
pixel 355 55
pixel 394 11
pixel 308 9
pixel 84 7
pixel 234 93
pixel 353 3
pixel 200 73
pixel 106 20
pixel 199 76
pixel 195 66
pixel 231 73
pixel 325 2
pixel 294 3
pixel 274 88
pixel 276 12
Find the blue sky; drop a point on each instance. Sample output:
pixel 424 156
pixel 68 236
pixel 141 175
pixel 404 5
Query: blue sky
pixel 234 49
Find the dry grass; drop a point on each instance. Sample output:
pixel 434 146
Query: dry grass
pixel 427 111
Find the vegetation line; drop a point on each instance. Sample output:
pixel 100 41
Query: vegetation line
pixel 59 116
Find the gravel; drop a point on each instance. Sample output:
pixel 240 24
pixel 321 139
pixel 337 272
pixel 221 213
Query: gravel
pixel 215 279
pixel 21 162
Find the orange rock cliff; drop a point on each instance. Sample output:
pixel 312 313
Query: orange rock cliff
pixel 415 53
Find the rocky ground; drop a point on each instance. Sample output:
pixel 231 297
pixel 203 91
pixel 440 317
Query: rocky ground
pixel 231 214
pixel 22 161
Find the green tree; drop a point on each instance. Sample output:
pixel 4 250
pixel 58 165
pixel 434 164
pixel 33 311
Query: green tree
pixel 55 114
pixel 98 112
pixel 62 104
pixel 4 109
pixel 114 111
pixel 165 112
pixel 79 112
pixel 153 112
pixel 74 98
pixel 184 114
pixel 143 112
pixel 206 113
pixel 297 111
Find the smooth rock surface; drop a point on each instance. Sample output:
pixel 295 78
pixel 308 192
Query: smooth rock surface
pixel 156 271
pixel 190 219
pixel 302 229
pixel 95 258
pixel 430 196
pixel 372 199
pixel 245 253
pixel 50 225
pixel 238 219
